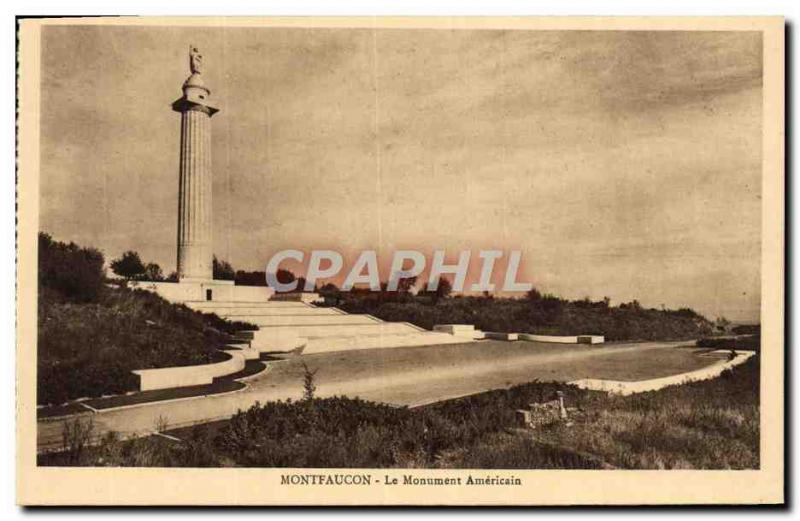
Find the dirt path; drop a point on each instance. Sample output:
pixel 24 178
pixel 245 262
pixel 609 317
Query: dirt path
pixel 406 376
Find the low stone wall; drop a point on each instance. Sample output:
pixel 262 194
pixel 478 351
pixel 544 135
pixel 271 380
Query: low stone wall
pixel 549 338
pixel 184 376
pixel 469 331
pixel 626 388
pixel 465 330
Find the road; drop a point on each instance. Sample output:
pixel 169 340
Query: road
pixel 405 376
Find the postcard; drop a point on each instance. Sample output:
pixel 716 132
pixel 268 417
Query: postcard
pixel 400 261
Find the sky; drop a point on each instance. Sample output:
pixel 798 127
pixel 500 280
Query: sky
pixel 622 164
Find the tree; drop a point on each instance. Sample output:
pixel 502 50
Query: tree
pixel 285 276
pixel 443 289
pixel 74 272
pixel 633 305
pixel 152 272
pixel 250 278
pixel 222 270
pixel 405 284
pixel 330 293
pixel 329 288
pixel 722 324
pixel 533 295
pixel 309 387
pixel 301 284
pixel 129 265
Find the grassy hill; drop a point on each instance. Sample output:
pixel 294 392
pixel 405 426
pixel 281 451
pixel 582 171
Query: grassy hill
pixel 92 334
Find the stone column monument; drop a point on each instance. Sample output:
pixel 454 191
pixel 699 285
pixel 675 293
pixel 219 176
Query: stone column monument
pixel 194 193
pixel 196 282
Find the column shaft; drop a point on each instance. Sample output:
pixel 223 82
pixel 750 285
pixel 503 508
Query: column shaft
pixel 194 200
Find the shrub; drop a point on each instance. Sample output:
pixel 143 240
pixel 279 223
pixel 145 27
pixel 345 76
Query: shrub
pixel 129 266
pixel 73 273
pixel 309 387
pixel 250 278
pixel 222 270
pixel 152 272
pixel 536 314
pixel 747 343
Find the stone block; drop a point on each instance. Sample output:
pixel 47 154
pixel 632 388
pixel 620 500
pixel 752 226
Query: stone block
pixel 463 330
pixel 522 418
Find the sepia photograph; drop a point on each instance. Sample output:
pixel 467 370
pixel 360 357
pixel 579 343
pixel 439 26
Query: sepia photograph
pixel 403 261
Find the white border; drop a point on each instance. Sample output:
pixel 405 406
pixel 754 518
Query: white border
pixel 788 8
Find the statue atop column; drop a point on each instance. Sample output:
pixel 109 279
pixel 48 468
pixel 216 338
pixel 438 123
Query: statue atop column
pixel 196 95
pixel 195 60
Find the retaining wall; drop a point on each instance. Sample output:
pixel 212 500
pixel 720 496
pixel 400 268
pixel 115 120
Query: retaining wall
pixel 184 376
pixel 549 338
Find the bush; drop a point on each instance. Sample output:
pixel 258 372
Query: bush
pixel 517 452
pixel 222 270
pixel 71 272
pixel 745 343
pixel 344 432
pixel 536 314
pixel 129 266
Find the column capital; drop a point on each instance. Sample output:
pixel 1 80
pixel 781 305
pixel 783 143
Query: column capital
pixel 183 104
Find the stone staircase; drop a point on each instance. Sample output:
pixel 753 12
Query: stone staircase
pixel 287 326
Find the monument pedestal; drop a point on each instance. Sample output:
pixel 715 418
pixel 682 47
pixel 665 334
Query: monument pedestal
pixel 205 290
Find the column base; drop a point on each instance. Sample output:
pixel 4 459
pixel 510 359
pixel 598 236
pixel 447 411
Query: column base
pixel 209 290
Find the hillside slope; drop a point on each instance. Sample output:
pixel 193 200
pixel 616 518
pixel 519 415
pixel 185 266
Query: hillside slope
pixel 92 334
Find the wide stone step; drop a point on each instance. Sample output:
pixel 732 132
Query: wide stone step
pixel 304 320
pixel 223 307
pixel 245 313
pixel 382 341
pixel 328 330
pixel 246 303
